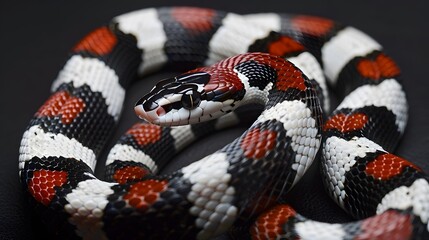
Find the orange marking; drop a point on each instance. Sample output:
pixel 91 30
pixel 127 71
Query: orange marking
pixel 129 173
pixel 316 26
pixel 195 19
pixel 346 123
pixel 42 185
pixel 100 42
pixel 143 194
pixel 270 224
pixel 390 225
pixel 145 133
pixel 382 67
pixel 62 104
pixel 257 143
pixel 387 166
pixel 288 76
pixel 284 46
pixel 221 78
pixel 291 80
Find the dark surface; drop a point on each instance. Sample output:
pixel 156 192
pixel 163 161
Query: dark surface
pixel 36 37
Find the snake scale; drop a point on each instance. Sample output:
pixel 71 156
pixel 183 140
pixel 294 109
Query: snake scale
pixel 275 61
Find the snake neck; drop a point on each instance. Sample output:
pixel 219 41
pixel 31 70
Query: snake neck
pixel 269 79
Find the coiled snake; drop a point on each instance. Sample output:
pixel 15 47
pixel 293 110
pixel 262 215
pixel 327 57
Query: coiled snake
pixel 239 185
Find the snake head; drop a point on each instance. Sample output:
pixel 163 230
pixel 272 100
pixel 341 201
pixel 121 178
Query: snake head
pixel 189 98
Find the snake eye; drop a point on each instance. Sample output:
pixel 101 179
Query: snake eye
pixel 191 99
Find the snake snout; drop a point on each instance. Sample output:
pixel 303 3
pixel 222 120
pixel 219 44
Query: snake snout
pixel 150 116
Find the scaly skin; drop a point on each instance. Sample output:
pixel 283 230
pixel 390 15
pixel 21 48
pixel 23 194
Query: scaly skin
pixel 59 149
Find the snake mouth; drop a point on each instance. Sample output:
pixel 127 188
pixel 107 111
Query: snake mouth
pixel 160 111
pixel 152 116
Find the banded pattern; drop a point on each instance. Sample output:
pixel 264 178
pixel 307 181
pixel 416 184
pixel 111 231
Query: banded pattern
pixel 226 189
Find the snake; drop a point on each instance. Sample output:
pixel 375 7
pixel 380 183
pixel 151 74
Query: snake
pixel 277 65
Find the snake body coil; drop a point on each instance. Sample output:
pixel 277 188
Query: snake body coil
pixel 236 184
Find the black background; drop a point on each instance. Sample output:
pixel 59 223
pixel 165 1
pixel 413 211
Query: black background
pixel 36 36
